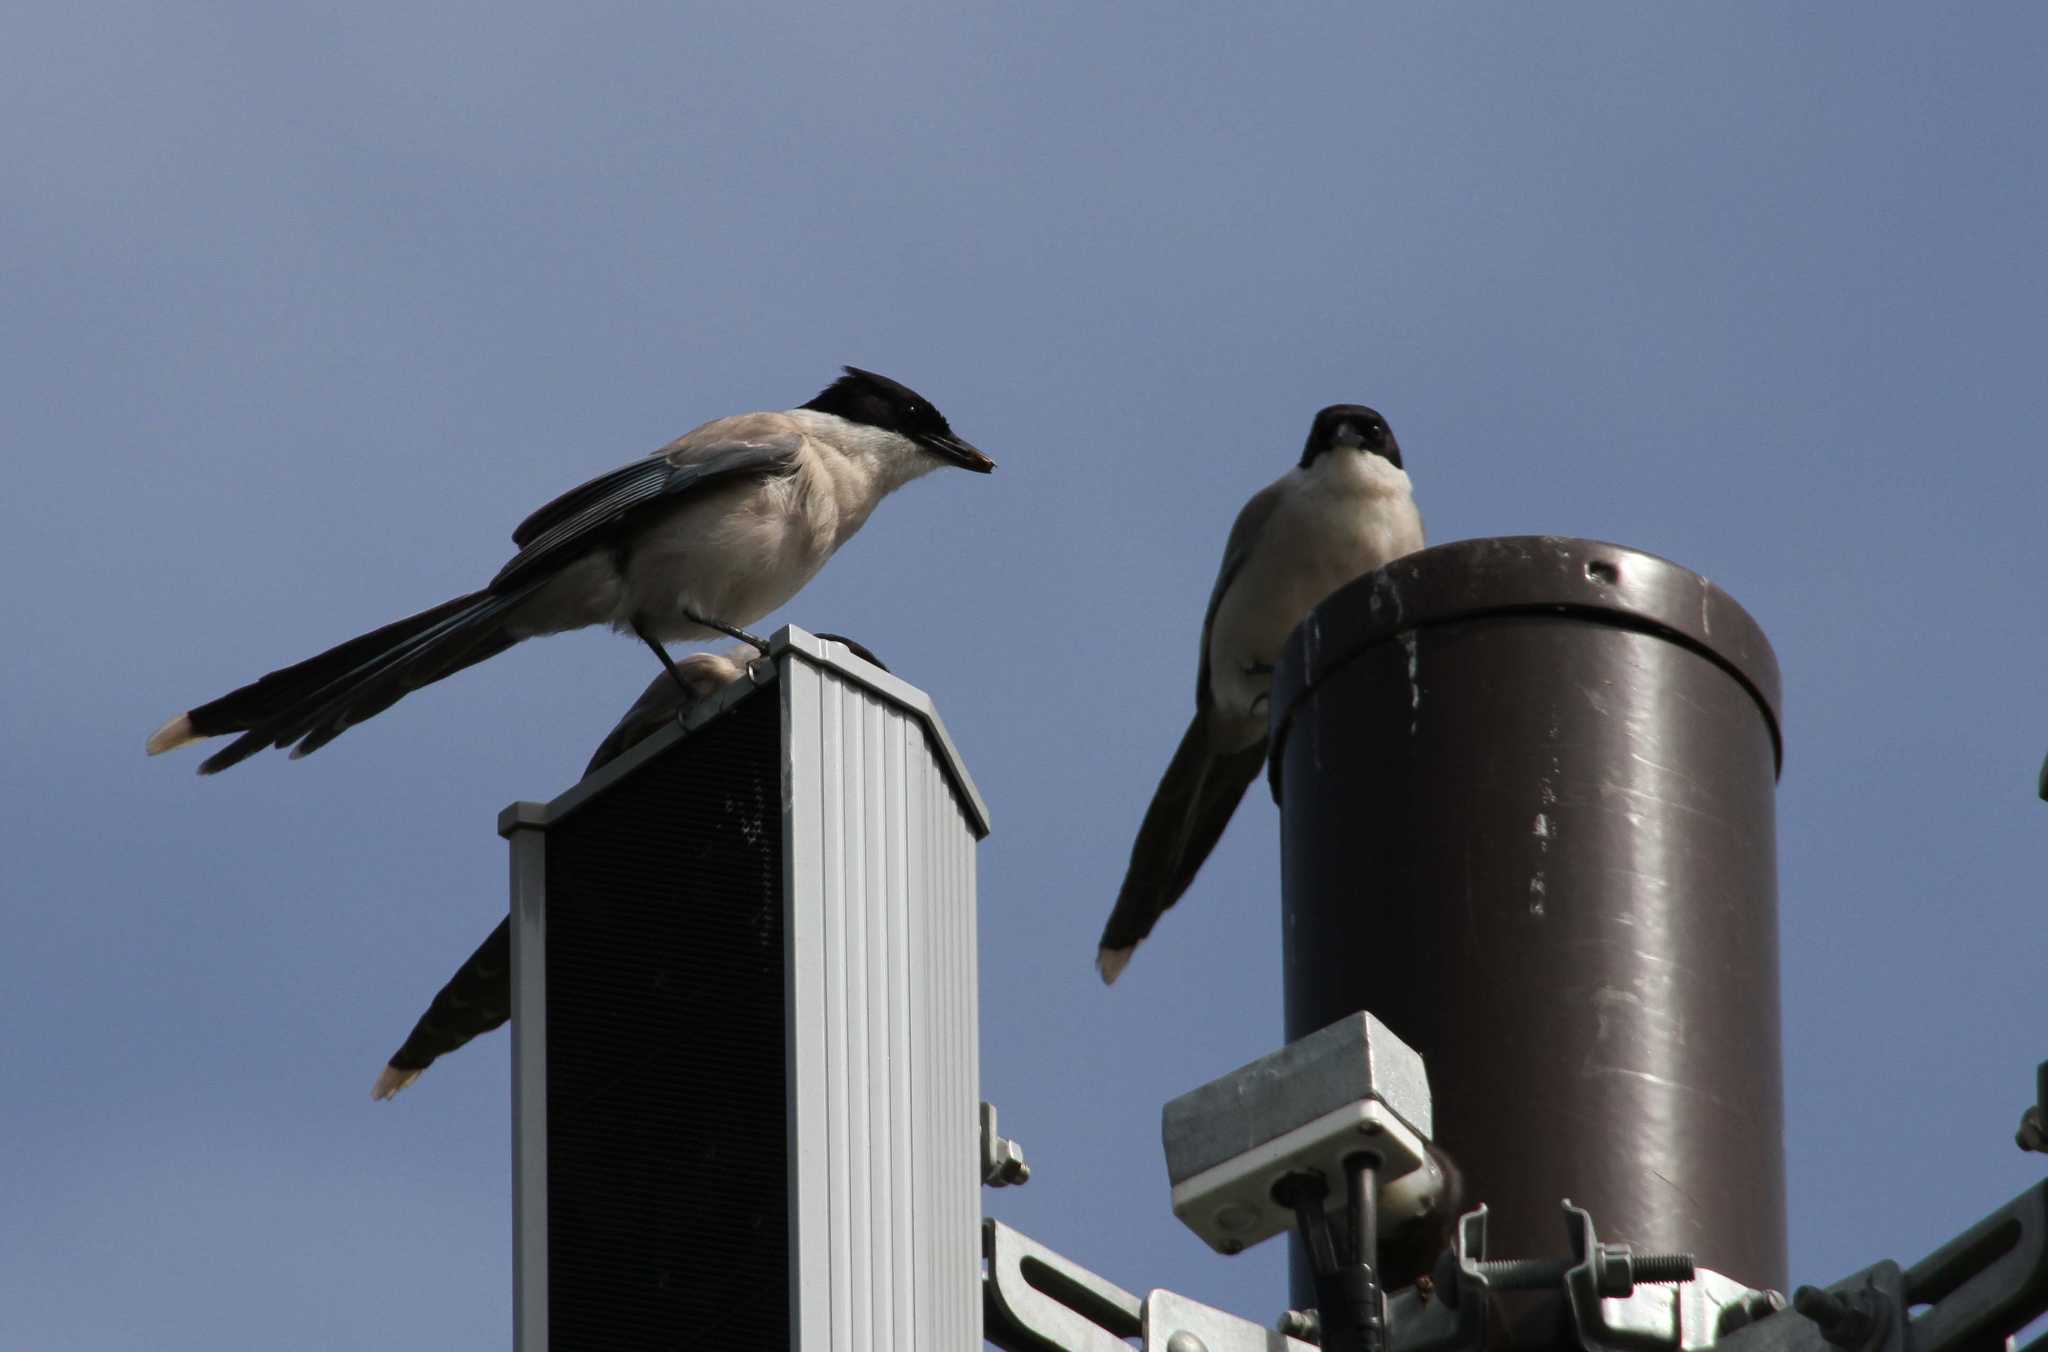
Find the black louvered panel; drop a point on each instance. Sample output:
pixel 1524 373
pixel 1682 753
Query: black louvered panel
pixel 667 1123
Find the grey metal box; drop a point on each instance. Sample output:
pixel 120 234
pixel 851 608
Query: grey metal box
pixel 1349 1087
pixel 745 1073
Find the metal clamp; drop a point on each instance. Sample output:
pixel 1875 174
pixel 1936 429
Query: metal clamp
pixel 1623 1302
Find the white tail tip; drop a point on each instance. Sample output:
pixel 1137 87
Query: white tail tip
pixel 390 1080
pixel 172 735
pixel 1112 961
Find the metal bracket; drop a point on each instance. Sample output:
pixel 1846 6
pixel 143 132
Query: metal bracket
pixel 1002 1161
pixel 1987 1283
pixel 1681 1317
pixel 1974 1292
pixel 1977 1290
pixel 1033 1300
pixel 1176 1324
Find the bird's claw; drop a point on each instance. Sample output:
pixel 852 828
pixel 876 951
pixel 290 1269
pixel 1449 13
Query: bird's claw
pixel 730 631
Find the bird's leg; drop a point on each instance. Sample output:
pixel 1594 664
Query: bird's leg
pixel 667 663
pixel 730 632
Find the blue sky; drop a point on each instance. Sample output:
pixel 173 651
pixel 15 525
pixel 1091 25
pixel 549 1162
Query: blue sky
pixel 306 308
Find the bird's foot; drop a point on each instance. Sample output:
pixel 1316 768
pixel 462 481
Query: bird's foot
pixel 667 664
pixel 729 631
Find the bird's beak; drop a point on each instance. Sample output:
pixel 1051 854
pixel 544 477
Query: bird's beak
pixel 958 452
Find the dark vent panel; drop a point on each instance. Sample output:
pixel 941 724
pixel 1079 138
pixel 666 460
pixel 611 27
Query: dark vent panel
pixel 667 1178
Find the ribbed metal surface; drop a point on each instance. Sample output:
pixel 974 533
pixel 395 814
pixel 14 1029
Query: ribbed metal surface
pixel 666 1170
pixel 884 1050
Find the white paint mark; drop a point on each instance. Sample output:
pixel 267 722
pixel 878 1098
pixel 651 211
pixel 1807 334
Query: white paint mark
pixel 1536 890
pixel 1605 999
pixel 1413 643
pixel 1542 826
pixel 1645 1076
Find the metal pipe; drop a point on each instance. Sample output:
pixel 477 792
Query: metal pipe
pixel 1527 819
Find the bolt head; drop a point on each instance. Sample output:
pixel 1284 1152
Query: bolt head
pixel 1183 1341
pixel 1236 1216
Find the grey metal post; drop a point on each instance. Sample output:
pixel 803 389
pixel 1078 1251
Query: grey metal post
pixel 746 1062
pixel 1527 820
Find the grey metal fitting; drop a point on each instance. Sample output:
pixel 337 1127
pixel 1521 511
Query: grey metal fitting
pixel 1848 1320
pixel 1306 1325
pixel 1002 1160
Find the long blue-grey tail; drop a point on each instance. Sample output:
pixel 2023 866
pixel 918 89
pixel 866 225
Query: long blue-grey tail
pixel 313 702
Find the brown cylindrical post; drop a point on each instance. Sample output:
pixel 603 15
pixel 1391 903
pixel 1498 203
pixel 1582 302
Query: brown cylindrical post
pixel 1527 819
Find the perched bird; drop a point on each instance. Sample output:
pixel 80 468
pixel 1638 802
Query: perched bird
pixel 1343 511
pixel 706 535
pixel 478 997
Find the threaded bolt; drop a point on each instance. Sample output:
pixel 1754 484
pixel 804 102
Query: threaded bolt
pixel 1534 1274
pixel 1522 1274
pixel 1664 1267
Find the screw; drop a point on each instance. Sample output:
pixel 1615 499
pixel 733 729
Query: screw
pixel 1521 1274
pixel 1664 1267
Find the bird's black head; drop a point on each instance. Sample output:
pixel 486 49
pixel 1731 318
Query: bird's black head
pixel 877 401
pixel 1354 426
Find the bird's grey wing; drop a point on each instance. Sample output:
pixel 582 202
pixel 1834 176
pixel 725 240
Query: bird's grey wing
pixel 746 429
pixel 663 701
pixel 1244 537
pixel 657 705
pixel 750 446
pixel 1194 802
